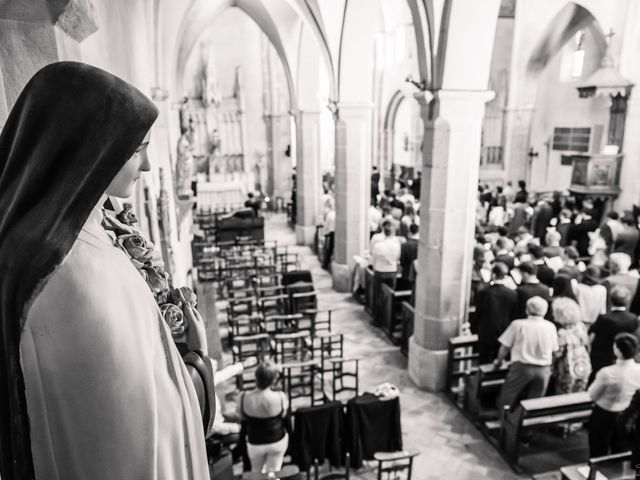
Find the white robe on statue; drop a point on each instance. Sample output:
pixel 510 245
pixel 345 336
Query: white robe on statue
pixel 107 393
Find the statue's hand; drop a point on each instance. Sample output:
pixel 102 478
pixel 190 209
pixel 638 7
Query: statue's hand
pixel 196 334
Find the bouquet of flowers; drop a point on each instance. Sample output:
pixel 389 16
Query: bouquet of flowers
pixel 177 305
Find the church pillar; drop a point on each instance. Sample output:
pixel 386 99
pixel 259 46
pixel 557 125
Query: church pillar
pixel 517 133
pixel 308 176
pixel 630 170
pixel 279 165
pixel 450 169
pixel 352 173
pixel 386 158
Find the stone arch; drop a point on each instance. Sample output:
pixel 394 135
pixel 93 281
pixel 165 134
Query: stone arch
pixel 565 24
pixel 202 12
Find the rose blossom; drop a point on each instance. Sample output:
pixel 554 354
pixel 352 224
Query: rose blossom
pixel 136 247
pixel 127 216
pixel 174 318
pixel 157 278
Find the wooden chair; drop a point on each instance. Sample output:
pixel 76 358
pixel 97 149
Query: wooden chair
pixel 320 320
pixel 245 347
pixel 539 412
pixel 302 296
pixel 395 465
pixel 341 369
pixel 276 324
pixel 241 306
pixel 292 347
pixel 269 291
pixel 299 380
pixel 242 325
pixel 276 305
pixel 332 475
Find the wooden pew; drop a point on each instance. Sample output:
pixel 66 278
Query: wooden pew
pixel 613 467
pixel 369 298
pixel 482 389
pixel 408 313
pixel 539 412
pixel 461 360
pixel 390 312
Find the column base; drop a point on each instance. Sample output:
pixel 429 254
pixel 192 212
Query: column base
pixel 305 234
pixel 427 368
pixel 341 274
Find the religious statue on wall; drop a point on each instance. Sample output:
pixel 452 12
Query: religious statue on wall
pixel 185 165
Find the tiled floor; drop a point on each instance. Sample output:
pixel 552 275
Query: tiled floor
pixel 450 446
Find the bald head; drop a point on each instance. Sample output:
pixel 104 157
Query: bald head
pixel 537 307
pixel 619 262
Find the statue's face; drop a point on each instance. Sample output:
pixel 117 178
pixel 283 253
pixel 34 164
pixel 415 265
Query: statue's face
pixel 122 184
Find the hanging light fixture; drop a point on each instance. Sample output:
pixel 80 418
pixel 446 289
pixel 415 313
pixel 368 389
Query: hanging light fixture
pixel 607 80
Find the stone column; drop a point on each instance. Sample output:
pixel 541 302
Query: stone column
pixel 308 176
pixel 450 169
pixel 386 158
pixel 517 133
pixel 630 170
pixel 279 165
pixel 353 178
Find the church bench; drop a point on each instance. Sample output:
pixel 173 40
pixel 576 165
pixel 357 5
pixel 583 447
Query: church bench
pixel 613 467
pixel 407 315
pixel 541 412
pixel 462 359
pixel 369 297
pixel 390 311
pixel 482 389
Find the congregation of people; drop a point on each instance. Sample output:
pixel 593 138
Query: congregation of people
pixel 555 291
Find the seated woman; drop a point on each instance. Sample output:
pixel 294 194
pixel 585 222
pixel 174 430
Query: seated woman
pixel 263 410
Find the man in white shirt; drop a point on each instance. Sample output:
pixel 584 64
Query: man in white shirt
pixel 611 391
pixel 385 255
pixel 329 236
pixel 375 216
pixel 531 342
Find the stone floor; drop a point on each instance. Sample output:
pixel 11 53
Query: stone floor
pixel 451 447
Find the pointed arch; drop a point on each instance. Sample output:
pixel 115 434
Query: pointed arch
pixel 565 24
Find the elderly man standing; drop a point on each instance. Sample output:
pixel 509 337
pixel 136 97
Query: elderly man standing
pixel 385 255
pixel 531 341
pixel 619 264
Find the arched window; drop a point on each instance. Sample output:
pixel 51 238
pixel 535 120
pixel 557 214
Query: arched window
pixel 578 55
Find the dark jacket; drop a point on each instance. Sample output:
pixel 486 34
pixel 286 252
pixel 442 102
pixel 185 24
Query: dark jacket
pixel 318 435
pixel 545 274
pixel 508 260
pixel 563 229
pixel 605 328
pixel 529 290
pixel 408 253
pixel 496 306
pixel 580 234
pixel 626 242
pixel 540 221
pixel 372 425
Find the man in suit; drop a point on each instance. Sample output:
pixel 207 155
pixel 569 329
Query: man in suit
pixel 409 252
pixel 495 308
pixel 529 287
pixel 607 326
pixel 579 232
pixel 564 226
pixel 375 185
pixel 503 254
pixel 619 264
pixel 545 273
pixel 542 215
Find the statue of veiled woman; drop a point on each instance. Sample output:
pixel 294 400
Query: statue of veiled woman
pixel 91 384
